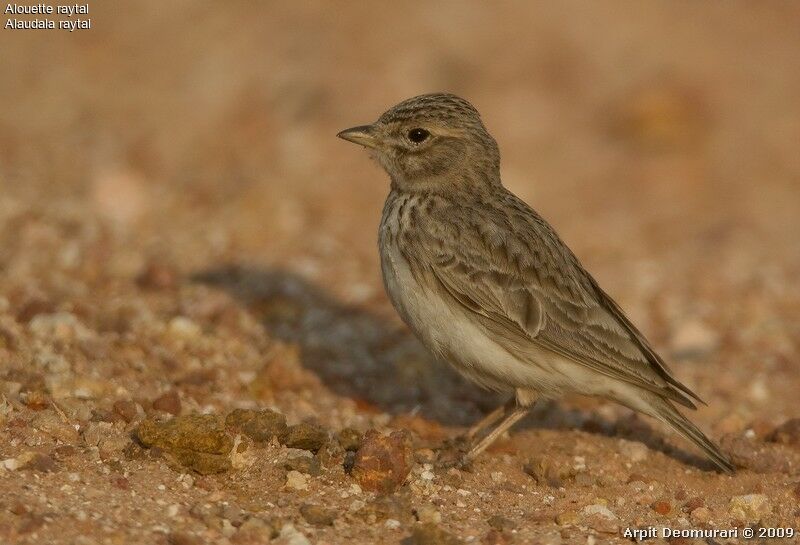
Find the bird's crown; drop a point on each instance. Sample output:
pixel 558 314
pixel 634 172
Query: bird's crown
pixel 432 106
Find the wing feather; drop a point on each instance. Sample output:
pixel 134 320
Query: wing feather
pixel 508 270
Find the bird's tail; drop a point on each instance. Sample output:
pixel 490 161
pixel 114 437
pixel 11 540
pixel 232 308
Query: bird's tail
pixel 666 412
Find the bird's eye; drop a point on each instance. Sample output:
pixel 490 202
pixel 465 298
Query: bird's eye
pixel 418 135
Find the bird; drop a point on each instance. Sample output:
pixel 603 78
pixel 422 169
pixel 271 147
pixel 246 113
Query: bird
pixel 487 285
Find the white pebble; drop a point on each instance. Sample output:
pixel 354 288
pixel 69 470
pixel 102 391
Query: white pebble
pixel 635 452
pixel 290 536
pixel 296 480
pixel 598 509
pixel 11 464
pixel 184 328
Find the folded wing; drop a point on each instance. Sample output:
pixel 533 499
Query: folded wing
pixel 525 286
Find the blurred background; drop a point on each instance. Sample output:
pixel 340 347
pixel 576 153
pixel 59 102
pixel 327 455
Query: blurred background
pixel 190 147
pixel 181 232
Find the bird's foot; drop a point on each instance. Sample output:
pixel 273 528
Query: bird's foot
pixel 453 453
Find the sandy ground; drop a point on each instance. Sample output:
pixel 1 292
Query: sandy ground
pixel 182 234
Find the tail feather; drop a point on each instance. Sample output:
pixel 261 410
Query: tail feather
pixel 666 412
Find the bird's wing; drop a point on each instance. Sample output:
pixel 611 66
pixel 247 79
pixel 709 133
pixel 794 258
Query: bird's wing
pixel 510 273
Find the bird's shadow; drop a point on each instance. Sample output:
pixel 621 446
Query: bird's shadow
pixel 360 355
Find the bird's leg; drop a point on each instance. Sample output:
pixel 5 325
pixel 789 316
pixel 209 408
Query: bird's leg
pixel 489 419
pixel 454 450
pixel 509 420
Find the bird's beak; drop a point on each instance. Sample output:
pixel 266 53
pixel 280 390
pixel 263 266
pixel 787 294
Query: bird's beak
pixel 363 134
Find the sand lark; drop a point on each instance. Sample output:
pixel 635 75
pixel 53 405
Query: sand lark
pixel 487 284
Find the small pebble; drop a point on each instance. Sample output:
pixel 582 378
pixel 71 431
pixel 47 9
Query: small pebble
pixel 349 439
pixel 11 464
pixel 183 328
pixel 317 515
pixel 600 510
pixel 304 464
pixel 750 507
pixel 356 505
pixel 693 503
pixel 227 529
pixel 662 507
pixel 35 461
pixel 127 409
pixel 500 523
pixel 289 535
pixel 382 463
pixel 296 480
pixel 700 515
pixel 260 426
pixel 428 514
pixel 633 451
pixel 169 402
pixel 544 473
pixel 52 424
pixel 306 436
pixel 196 441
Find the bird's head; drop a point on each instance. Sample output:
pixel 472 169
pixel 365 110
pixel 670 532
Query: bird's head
pixel 431 141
